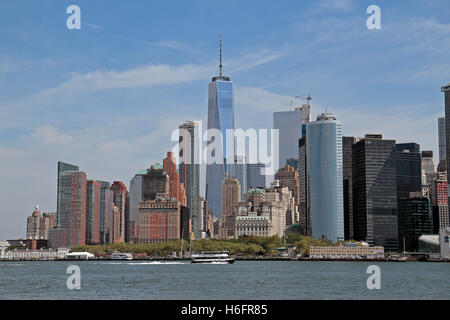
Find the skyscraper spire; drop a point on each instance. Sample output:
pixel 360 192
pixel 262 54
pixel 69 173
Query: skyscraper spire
pixel 220 65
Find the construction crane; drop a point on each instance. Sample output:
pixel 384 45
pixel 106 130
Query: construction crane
pixel 308 98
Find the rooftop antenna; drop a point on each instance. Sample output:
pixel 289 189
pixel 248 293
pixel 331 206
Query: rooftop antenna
pixel 220 65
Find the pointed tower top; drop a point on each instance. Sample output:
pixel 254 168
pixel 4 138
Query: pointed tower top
pixel 220 64
pixel 220 76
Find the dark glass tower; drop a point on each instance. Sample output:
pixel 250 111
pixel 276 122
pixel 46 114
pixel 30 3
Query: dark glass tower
pixel 409 172
pixel 220 117
pixel 347 143
pixel 446 90
pixel 415 218
pixel 375 192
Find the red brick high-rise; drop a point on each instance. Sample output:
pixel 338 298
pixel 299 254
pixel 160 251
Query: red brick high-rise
pixel 176 190
pixel 71 231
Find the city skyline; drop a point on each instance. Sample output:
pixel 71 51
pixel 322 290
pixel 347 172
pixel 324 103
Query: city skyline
pixel 56 119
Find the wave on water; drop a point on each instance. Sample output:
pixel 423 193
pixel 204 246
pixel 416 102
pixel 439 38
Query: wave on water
pixel 146 263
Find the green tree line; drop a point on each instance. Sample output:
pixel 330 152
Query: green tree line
pixel 247 245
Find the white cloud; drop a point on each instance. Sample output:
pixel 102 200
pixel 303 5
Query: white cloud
pixel 50 135
pixel 145 76
pixel 344 5
pixel 261 100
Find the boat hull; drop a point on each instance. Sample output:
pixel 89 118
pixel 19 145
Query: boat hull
pixel 213 261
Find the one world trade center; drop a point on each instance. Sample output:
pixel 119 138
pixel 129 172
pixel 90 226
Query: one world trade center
pixel 220 117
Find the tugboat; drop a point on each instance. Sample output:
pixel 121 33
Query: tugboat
pixel 220 257
pixel 116 255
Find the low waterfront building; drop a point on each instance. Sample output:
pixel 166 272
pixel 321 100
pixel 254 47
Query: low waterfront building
pixel 429 243
pixel 349 251
pixel 61 253
pixel 79 256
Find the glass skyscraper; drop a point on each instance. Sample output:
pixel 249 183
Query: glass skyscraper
pixel 324 171
pixel 220 117
pixel 62 167
pixel 375 191
pixel 189 169
pixel 442 142
pixel 446 90
pixel 289 124
pixel 409 174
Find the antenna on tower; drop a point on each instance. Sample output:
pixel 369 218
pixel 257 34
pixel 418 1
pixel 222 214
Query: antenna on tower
pixel 220 65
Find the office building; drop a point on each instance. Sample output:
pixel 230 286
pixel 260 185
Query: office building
pixel 439 200
pixel 159 219
pixel 135 197
pixel 263 212
pixel 92 212
pixel 231 196
pixel 408 168
pixel 238 170
pixel 324 172
pixel 442 141
pixel 221 118
pixel 446 90
pixel 62 167
pixel 176 188
pixel 305 221
pixel 189 170
pixel 415 218
pixel 71 230
pixel 288 177
pixel 120 201
pixel 375 192
pixel 428 165
pixel 116 225
pixel 255 176
pixel 347 163
pixel 106 211
pixel 289 124
pixel 145 185
pixel 38 225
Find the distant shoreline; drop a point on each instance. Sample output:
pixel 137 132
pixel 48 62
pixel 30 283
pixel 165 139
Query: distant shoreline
pixel 237 259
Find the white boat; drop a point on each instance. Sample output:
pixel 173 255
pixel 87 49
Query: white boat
pixel 121 256
pixel 219 257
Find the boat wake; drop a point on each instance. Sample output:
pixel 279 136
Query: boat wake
pixel 146 263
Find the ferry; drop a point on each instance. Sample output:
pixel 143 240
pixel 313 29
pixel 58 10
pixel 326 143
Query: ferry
pixel 220 257
pixel 121 256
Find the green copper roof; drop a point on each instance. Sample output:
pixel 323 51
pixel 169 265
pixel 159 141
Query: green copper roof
pixel 259 190
pixel 141 172
pixel 157 166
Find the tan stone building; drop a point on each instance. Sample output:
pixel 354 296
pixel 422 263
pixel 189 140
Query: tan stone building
pixel 38 225
pixel 231 196
pixel 288 177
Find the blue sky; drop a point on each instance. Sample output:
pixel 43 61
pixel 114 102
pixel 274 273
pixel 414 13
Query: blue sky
pixel 107 97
